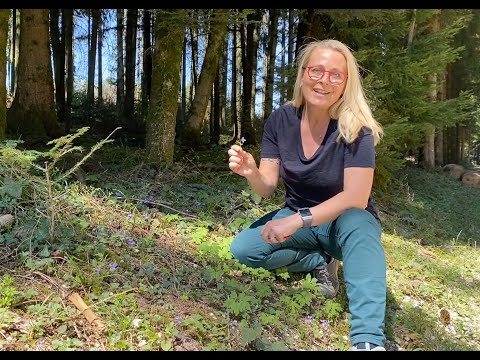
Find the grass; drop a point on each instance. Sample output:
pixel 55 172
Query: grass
pixel 147 251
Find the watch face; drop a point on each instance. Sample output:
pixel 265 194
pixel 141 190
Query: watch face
pixel 306 216
pixel 305 212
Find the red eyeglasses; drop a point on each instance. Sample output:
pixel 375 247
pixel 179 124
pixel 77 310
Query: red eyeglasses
pixel 317 73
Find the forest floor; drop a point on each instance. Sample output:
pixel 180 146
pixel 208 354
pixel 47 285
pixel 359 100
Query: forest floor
pixel 139 260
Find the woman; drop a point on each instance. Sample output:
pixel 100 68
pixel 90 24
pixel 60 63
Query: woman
pixel 322 145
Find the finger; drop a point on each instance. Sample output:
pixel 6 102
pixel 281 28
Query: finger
pixel 264 233
pixel 232 152
pixel 235 159
pixel 272 239
pixel 234 166
pixel 236 147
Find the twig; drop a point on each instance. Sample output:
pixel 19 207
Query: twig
pixel 49 279
pixel 168 207
pixel 92 150
pixel 114 295
pixel 198 169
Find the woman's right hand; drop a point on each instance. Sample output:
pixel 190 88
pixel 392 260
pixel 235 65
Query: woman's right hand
pixel 240 161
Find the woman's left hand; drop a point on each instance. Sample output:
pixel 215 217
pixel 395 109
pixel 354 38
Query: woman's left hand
pixel 277 231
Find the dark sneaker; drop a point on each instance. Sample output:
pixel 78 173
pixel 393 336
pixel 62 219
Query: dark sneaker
pixel 365 346
pixel 327 278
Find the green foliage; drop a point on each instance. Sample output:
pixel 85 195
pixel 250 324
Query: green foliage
pixel 162 278
pixel 398 75
pixel 7 291
pixel 25 179
pixel 421 202
pixel 239 304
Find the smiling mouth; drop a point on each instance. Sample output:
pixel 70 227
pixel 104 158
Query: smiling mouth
pixel 320 92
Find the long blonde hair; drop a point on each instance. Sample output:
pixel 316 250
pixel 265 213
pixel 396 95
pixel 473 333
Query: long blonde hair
pixel 351 110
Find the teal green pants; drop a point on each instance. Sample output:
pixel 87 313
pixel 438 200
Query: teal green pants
pixel 354 238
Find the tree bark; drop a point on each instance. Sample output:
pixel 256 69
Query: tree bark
pixel 215 114
pixel 429 145
pixel 291 50
pixel 223 81
pixel 147 61
pixel 233 102
pixel 100 61
pixel 68 20
pixel 272 46
pixel 192 130
pixel 248 131
pixel 32 114
pixel 130 56
pixel 160 137
pixel 92 53
pixel 120 68
pixel 58 49
pixel 4 16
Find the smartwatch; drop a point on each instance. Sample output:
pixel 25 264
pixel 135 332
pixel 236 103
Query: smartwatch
pixel 306 216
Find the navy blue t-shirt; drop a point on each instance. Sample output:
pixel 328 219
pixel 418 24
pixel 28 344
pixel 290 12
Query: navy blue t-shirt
pixel 309 182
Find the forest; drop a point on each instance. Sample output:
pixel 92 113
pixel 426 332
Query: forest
pixel 117 206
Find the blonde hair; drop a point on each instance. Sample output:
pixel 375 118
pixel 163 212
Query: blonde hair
pixel 352 109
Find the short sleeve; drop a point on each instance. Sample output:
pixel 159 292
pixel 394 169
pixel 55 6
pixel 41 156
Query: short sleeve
pixel 270 137
pixel 360 153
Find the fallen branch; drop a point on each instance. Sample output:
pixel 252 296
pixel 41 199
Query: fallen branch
pixel 146 202
pixel 76 300
pixel 91 317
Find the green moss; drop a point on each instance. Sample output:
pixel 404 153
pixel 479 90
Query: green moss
pixel 161 118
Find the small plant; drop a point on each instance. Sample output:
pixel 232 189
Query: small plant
pixel 239 304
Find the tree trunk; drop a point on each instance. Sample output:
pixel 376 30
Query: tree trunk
pixel 147 61
pixel 194 45
pixel 283 90
pixel 32 114
pixel 130 56
pixel 264 38
pixel 412 30
pixel 100 62
pixel 92 53
pixel 215 115
pixel 14 51
pixel 461 143
pixel 223 81
pixel 68 21
pixel 169 32
pixel 184 81
pixel 238 82
pixel 120 68
pixel 256 34
pixel 4 17
pixel 248 131
pixel 291 50
pixel 429 146
pixel 58 49
pixel 233 102
pixel 192 130
pixel 272 46
pixel 439 150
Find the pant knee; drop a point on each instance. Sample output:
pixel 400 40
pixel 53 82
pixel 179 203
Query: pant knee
pixel 239 252
pixel 359 223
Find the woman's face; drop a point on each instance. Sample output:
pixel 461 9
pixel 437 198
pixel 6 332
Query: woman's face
pixel 324 78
